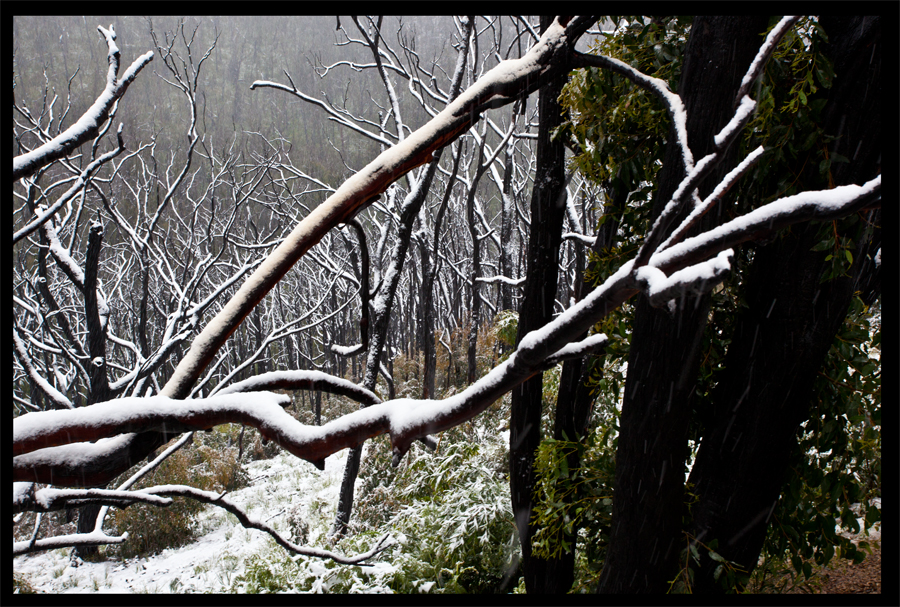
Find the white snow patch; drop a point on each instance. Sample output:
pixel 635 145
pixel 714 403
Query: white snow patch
pixel 744 109
pixel 211 563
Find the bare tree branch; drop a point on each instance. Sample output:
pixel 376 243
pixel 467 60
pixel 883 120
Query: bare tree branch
pixel 88 126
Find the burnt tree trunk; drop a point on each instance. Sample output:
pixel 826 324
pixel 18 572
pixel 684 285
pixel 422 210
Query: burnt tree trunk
pixel 100 392
pixel 574 399
pixel 782 338
pixel 537 310
pixel 664 355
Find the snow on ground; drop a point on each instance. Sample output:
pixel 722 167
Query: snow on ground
pixel 212 562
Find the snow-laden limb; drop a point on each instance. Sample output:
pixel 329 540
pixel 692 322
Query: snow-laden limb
pixel 86 127
pixel 660 88
pixel 741 115
pixel 688 185
pixel 765 51
pixel 515 282
pixel 503 84
pixel 25 499
pixel 818 204
pixel 42 429
pixel 50 499
pixel 583 238
pixel 720 190
pixel 65 262
pixel 405 419
pixel 346 350
pixel 589 345
pixel 698 279
pixel 303 380
pixel 251 522
pixel 94 538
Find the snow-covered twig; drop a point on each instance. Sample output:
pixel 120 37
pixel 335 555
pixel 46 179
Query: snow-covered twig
pixel 76 188
pixel 58 399
pixel 515 282
pixel 765 51
pixel 50 499
pixel 592 344
pixel 93 538
pixel 700 210
pixel 303 380
pixel 47 500
pixel 583 238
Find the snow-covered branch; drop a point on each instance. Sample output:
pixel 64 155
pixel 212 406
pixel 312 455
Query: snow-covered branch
pixel 25 498
pixel 88 126
pixel 515 282
pixel 303 380
pixel 508 81
pixel 822 205
pixel 765 51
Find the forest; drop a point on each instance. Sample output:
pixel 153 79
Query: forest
pixel 549 304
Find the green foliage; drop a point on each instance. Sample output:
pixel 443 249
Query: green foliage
pixel 578 499
pixel 837 461
pixel 506 325
pixel 621 132
pixel 728 574
pixel 21 585
pixel 449 513
pixel 450 510
pixel 619 128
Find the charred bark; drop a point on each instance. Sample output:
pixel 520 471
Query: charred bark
pixel 537 310
pixel 662 367
pixel 767 388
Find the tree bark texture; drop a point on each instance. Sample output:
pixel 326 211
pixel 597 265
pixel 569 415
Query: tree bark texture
pixel 664 360
pixel 537 309
pixel 783 337
pixel 574 398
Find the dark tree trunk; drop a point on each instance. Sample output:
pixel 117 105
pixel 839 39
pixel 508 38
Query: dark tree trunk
pixel 782 338
pixel 427 326
pixel 507 220
pixel 96 326
pixel 430 265
pixel 574 399
pixel 662 367
pixel 537 309
pixel 379 335
pixel 475 306
pixel 87 516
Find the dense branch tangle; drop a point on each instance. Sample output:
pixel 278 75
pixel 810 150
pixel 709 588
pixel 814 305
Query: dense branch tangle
pixel 662 272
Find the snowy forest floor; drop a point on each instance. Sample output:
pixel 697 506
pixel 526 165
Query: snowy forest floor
pixel 217 558
pixel 220 559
